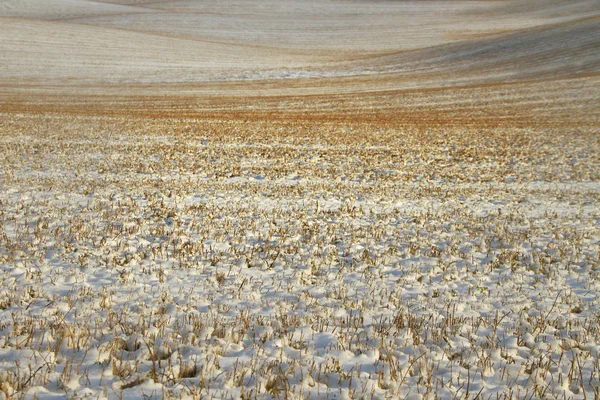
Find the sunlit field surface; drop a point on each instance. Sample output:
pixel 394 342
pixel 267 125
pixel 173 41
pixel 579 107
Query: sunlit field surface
pixel 299 199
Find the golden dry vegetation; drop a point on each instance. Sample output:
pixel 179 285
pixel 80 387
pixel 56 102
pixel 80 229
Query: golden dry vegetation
pixel 410 213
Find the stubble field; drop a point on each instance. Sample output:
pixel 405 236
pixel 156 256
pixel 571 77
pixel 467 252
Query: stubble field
pixel 409 215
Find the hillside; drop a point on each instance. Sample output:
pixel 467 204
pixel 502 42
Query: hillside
pixel 300 199
pixel 187 50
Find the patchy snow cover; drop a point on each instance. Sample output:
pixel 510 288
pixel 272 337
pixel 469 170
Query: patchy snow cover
pixel 62 9
pixel 151 259
pixel 82 42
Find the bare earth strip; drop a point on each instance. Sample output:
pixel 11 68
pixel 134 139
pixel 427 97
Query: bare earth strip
pixel 300 199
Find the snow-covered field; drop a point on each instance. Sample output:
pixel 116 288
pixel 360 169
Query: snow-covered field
pixel 82 43
pixel 300 199
pixel 232 259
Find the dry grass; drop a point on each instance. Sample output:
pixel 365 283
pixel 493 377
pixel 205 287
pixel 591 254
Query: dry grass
pixel 295 258
pixel 308 199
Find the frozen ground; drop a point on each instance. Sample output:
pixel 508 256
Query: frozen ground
pixel 226 259
pixel 299 199
pixel 81 43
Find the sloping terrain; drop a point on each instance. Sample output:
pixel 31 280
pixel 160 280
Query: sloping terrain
pixel 336 199
pixel 62 9
pixel 167 57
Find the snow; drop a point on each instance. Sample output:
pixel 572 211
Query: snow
pixel 130 283
pixel 62 9
pixel 356 199
pixel 80 42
